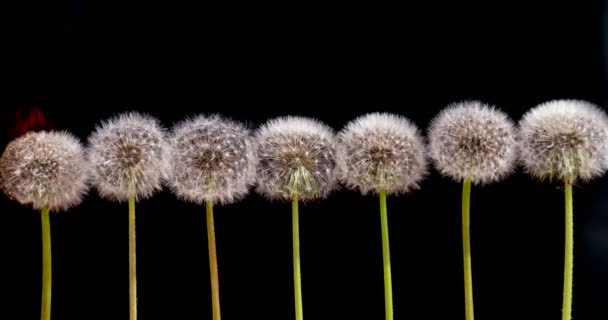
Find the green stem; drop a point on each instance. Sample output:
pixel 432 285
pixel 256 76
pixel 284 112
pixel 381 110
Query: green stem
pixel 215 283
pixel 569 255
pixel 386 255
pixel 132 260
pixel 466 246
pixel 297 276
pixel 45 312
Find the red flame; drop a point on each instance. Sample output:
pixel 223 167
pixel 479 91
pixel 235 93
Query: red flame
pixel 34 120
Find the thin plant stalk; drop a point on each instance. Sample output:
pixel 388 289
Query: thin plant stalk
pixel 466 246
pixel 386 255
pixel 569 255
pixel 215 283
pixel 297 276
pixel 132 260
pixel 45 310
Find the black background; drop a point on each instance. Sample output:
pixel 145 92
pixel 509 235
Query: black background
pixel 82 62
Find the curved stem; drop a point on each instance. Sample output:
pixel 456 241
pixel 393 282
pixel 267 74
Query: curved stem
pixel 569 255
pixel 132 260
pixel 386 255
pixel 45 312
pixel 297 277
pixel 215 283
pixel 466 246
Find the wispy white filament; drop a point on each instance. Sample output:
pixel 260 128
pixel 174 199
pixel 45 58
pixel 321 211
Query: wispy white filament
pixel 296 156
pixel 381 151
pixel 44 169
pixel 565 139
pixel 128 153
pixel 212 160
pixel 473 140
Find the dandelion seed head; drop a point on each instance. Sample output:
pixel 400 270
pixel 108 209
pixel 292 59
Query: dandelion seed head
pixel 565 139
pixel 472 139
pixel 128 153
pixel 381 151
pixel 212 160
pixel 44 169
pixel 296 156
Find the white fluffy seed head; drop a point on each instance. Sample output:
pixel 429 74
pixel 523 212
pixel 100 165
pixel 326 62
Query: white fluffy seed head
pixel 128 153
pixel 296 156
pixel 212 160
pixel 44 169
pixel 381 151
pixel 565 139
pixel 473 140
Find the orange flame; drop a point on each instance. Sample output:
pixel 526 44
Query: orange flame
pixel 34 120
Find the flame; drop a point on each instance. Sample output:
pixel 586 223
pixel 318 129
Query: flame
pixel 34 120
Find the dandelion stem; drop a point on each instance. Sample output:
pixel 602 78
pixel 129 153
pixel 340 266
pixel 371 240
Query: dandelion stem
pixel 132 260
pixel 386 255
pixel 215 283
pixel 297 277
pixel 45 312
pixel 569 255
pixel 466 246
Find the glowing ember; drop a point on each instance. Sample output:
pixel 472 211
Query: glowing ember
pixel 34 120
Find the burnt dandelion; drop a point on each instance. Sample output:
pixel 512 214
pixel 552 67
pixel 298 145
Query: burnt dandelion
pixel 384 154
pixel 565 140
pixel 213 161
pixel 296 160
pixel 472 142
pixel 47 171
pixel 129 157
